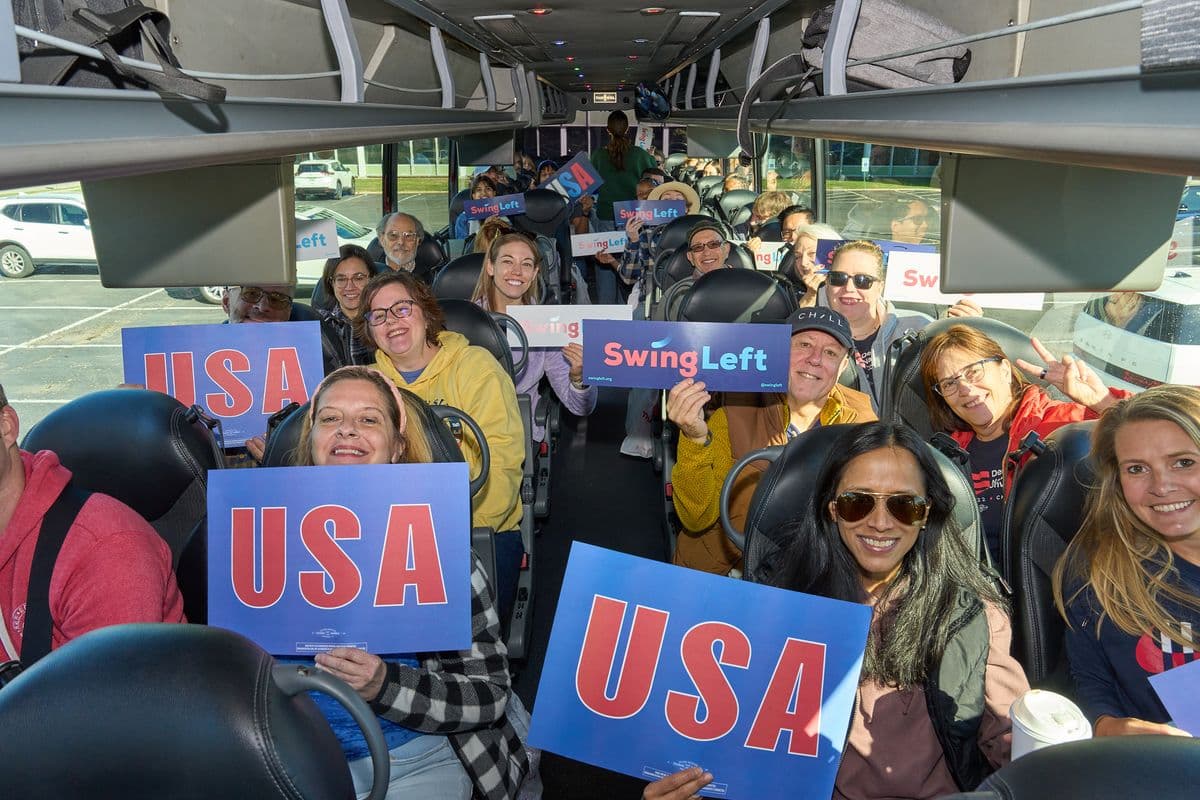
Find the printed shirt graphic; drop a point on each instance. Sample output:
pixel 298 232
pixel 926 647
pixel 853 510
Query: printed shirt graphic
pixel 987 479
pixel 865 359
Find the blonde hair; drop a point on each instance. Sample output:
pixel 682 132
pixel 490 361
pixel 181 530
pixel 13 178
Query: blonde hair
pixel 1127 564
pixel 489 230
pixel 485 286
pixel 768 204
pixel 862 246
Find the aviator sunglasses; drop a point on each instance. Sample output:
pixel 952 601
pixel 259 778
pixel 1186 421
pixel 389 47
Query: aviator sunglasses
pixel 905 508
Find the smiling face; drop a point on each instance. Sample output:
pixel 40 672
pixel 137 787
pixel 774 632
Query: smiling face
pixel 1159 468
pixel 707 257
pixel 272 303
pixel 402 340
pixel 352 426
pixel 400 240
pixel 816 361
pixel 983 405
pixel 513 272
pixel 348 281
pixel 913 226
pixel 879 542
pixel 857 305
pixel 806 255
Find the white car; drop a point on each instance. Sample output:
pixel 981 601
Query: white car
pixel 43 229
pixel 327 177
pixel 1141 339
pixel 309 272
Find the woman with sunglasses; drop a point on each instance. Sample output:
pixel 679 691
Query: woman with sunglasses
pixel 1129 582
pixel 975 394
pixel 344 279
pixel 510 278
pixel 438 711
pixel 854 286
pixel 931 712
pixel 402 319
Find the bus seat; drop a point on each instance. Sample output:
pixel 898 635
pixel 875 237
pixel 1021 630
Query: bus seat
pixel 1045 509
pixel 487 330
pixel 736 295
pixel 430 255
pixel 771 231
pixel 457 203
pixel 905 401
pixel 709 185
pixel 545 212
pixel 733 201
pixel 740 256
pixel 785 492
pixel 457 279
pixel 1104 768
pixel 740 217
pixel 152 453
pixel 207 712
pixel 672 163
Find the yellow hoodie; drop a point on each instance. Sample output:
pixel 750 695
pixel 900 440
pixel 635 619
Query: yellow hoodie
pixel 470 379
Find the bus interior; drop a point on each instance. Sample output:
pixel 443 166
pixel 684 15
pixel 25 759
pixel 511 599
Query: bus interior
pixel 1056 160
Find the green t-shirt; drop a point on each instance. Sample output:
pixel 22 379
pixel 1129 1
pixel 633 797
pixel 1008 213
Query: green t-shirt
pixel 619 184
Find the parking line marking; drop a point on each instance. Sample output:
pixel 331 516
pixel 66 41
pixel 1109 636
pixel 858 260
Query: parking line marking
pixel 57 346
pixel 52 308
pixel 65 328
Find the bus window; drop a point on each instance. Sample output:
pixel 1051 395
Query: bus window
pixel 423 178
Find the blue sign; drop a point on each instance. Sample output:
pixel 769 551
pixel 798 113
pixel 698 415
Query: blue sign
pixel 240 374
pixel 575 179
pixel 727 356
pixel 304 559
pixel 825 248
pixel 651 212
pixel 503 206
pixel 654 668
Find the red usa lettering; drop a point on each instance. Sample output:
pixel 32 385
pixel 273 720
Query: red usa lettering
pixel 175 374
pixel 789 708
pixel 410 557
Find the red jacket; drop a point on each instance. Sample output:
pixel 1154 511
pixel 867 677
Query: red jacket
pixel 113 567
pixel 1036 411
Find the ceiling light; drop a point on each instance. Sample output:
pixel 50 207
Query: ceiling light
pixel 540 11
pixel 652 10
pixel 641 41
pixel 559 42
pixel 633 58
pixel 570 58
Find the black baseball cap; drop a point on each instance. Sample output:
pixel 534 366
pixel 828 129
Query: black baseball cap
pixel 825 320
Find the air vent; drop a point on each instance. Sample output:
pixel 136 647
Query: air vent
pixel 513 35
pixel 691 25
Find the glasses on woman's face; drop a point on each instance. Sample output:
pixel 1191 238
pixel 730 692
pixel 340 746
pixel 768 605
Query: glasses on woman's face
pixel 970 375
pixel 905 507
pixel 252 295
pixel 358 279
pixel 401 309
pixel 700 247
pixel 862 281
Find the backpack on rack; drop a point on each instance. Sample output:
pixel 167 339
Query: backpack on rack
pixel 116 28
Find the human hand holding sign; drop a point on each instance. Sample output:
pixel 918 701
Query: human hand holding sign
pixel 633 228
pixel 685 407
pixel 363 671
pixel 573 353
pixel 965 307
pixel 1071 376
pixel 680 786
pixel 604 257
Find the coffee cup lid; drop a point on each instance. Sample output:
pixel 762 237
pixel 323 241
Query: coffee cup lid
pixel 1049 717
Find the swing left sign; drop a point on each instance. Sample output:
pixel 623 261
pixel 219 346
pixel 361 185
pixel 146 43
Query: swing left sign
pixel 239 374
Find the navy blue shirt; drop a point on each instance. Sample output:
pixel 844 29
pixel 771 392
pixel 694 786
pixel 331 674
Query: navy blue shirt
pixel 987 479
pixel 1112 670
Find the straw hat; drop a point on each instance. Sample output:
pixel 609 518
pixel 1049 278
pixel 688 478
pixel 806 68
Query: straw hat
pixel 689 194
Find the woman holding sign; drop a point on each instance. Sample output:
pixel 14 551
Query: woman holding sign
pixel 931 712
pixel 975 393
pixel 483 187
pixel 510 278
pixel 445 716
pixel 402 318
pixel 1129 582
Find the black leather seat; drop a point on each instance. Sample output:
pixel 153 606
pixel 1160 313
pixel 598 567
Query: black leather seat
pixel 174 711
pixel 770 231
pixel 457 279
pixel 674 234
pixel 785 492
pixel 709 185
pixel 736 295
pixel 1108 768
pixel 1045 509
pixel 545 212
pixel 430 253
pixel 152 453
pixel 488 330
pixel 906 400
pixel 673 162
pixel 457 204
pixel 733 201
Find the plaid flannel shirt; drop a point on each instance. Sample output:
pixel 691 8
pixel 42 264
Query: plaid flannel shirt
pixel 638 257
pixel 463 695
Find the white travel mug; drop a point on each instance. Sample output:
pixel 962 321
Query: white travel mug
pixel 1041 719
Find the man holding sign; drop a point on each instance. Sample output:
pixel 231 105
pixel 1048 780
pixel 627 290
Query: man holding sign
pixel 445 715
pixel 708 448
pixel 931 709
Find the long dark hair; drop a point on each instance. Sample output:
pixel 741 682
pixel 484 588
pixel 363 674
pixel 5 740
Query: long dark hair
pixel 618 140
pixel 917 609
pixel 344 252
